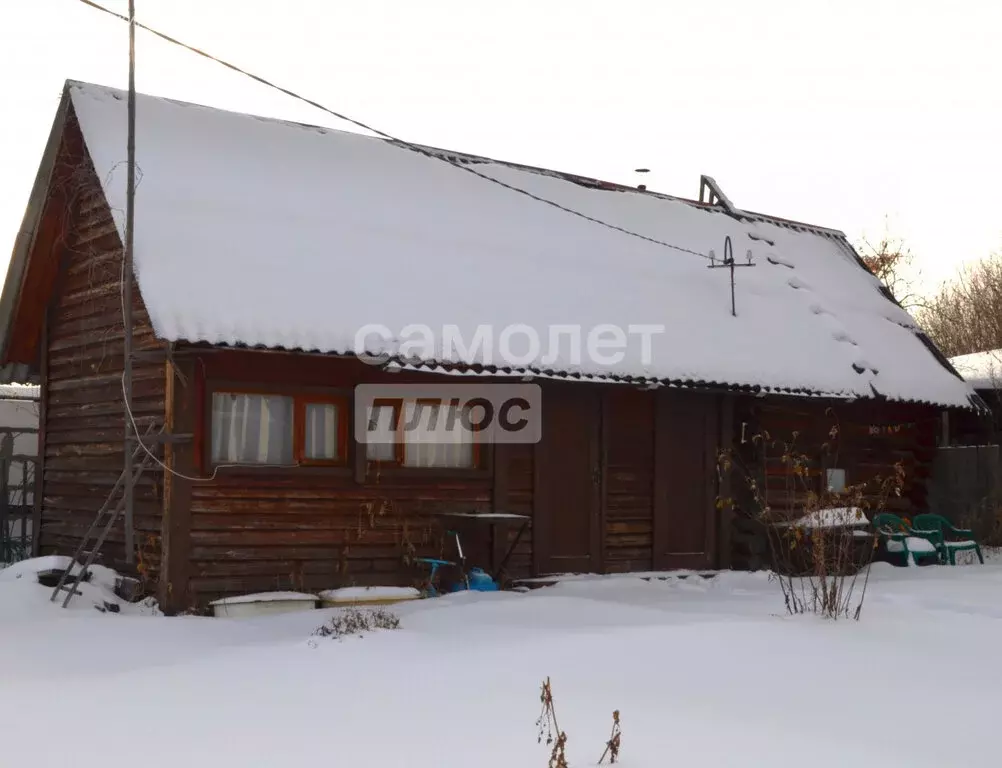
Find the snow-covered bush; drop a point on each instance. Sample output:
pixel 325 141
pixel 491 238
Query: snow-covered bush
pixel 357 621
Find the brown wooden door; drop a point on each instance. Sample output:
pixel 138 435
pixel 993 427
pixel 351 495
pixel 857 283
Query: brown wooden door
pixel 566 531
pixel 685 445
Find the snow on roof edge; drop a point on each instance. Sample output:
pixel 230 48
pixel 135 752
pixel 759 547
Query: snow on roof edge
pixel 982 370
pixel 440 368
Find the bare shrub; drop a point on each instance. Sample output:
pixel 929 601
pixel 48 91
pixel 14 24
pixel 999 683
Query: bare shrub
pixel 357 621
pixel 548 729
pixel 965 315
pixel 556 739
pixel 612 745
pixel 818 550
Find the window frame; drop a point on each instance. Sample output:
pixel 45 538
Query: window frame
pixel 209 434
pixel 397 404
pixel 353 462
pixel 478 464
pixel 300 401
pixel 300 396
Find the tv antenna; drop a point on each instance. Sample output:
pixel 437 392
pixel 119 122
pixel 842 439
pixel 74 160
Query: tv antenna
pixel 729 263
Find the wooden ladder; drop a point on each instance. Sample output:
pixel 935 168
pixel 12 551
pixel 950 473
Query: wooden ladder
pixel 101 526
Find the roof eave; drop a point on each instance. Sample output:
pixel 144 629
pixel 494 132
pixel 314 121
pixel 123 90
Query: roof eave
pixel 24 242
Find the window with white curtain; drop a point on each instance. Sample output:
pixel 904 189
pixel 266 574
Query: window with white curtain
pixel 252 429
pixel 434 436
pixel 419 433
pixel 381 435
pixel 322 435
pixel 278 429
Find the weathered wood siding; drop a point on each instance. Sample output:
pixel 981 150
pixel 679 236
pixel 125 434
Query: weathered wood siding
pixel 84 421
pixel 309 527
pixel 865 439
pixel 628 425
pixel 244 529
pixel 267 532
pixel 513 492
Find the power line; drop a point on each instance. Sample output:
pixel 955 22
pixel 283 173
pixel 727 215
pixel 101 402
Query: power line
pixel 406 144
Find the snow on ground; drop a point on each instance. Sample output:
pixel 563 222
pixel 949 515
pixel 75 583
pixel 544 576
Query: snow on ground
pixel 706 672
pixel 17 601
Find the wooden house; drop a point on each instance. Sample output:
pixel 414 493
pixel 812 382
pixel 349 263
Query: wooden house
pixel 262 247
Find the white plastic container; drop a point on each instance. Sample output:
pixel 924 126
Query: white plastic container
pixel 263 604
pixel 334 598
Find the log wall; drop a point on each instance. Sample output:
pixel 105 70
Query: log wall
pixel 83 421
pixel 249 529
pixel 865 438
pixel 245 529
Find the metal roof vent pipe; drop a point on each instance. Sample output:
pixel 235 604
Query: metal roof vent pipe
pixel 642 187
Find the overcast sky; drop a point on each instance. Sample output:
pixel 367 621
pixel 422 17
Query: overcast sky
pixel 836 113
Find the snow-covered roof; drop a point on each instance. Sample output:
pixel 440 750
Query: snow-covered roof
pixel 252 231
pixel 982 370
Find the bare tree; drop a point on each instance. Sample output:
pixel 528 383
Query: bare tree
pixel 965 315
pixel 892 262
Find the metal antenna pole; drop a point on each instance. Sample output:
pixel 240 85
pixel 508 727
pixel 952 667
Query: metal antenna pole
pixel 729 259
pixel 130 221
pixel 729 263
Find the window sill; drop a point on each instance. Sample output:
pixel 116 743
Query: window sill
pixel 375 472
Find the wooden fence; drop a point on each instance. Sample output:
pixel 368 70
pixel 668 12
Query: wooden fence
pixel 17 495
pixel 965 488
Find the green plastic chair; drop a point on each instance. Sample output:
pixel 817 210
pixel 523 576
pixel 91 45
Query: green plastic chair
pixel 899 538
pixel 949 540
pixel 885 521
